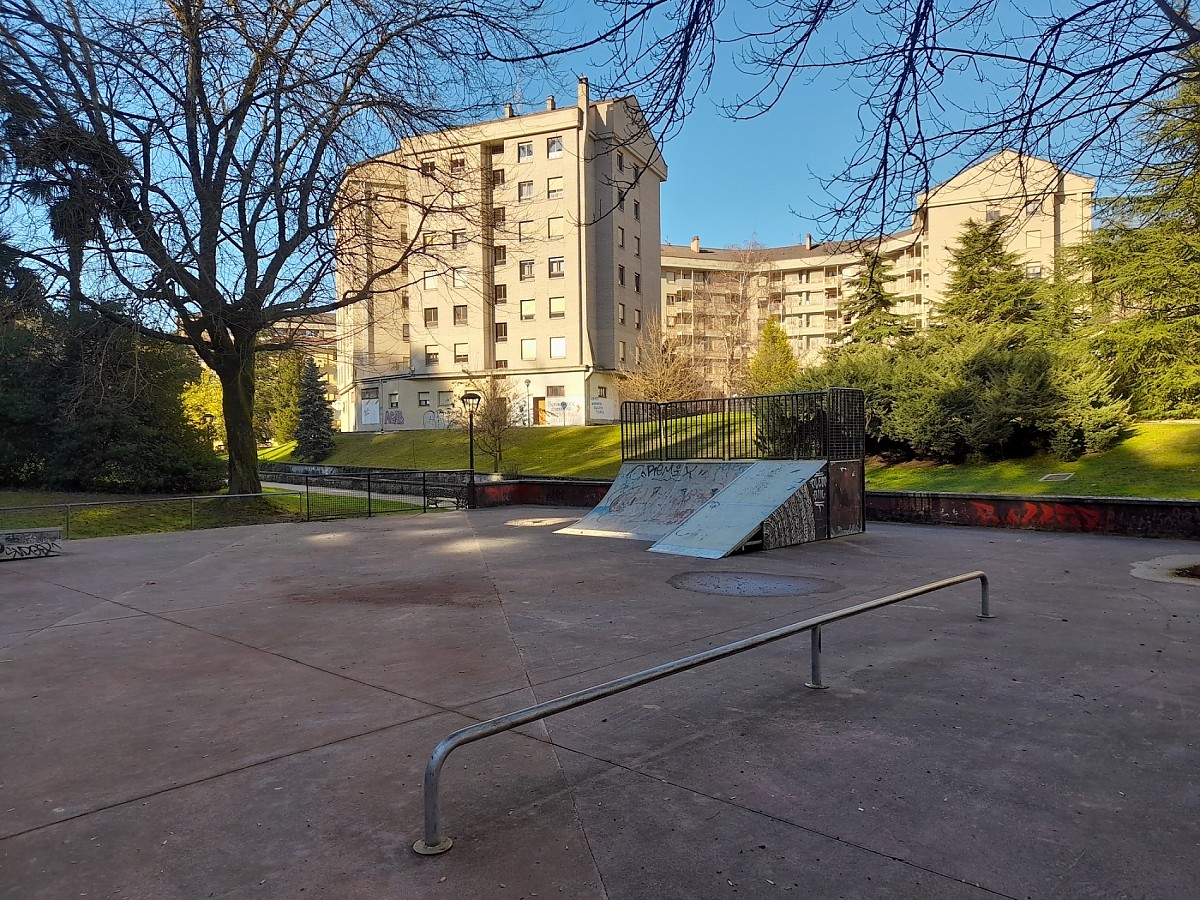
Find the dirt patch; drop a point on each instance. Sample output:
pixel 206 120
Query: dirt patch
pixel 1187 572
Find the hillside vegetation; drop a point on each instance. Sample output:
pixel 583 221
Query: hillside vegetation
pixel 1157 459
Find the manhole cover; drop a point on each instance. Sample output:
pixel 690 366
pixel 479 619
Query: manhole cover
pixel 748 584
pixel 1058 476
pixel 1179 569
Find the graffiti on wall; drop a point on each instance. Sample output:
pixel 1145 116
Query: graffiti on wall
pixel 393 417
pixel 1036 514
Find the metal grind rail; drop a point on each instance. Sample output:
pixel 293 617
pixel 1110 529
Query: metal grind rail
pixel 434 842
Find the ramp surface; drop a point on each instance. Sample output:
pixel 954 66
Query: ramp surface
pixel 727 521
pixel 648 501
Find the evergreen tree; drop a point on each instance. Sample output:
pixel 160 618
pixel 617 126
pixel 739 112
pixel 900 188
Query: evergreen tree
pixel 987 282
pixel 871 304
pixel 314 434
pixel 773 365
pixel 1145 266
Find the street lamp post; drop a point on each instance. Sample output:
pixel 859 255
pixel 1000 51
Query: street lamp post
pixel 528 411
pixel 470 402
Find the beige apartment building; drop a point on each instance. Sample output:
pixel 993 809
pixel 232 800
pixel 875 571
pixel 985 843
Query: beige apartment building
pixel 717 301
pixel 524 249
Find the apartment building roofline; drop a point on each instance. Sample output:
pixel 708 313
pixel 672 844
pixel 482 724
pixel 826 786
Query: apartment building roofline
pixel 808 250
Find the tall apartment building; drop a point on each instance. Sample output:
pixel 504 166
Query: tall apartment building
pixel 717 301
pixel 524 248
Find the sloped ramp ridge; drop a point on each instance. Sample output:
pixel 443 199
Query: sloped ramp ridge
pixel 709 510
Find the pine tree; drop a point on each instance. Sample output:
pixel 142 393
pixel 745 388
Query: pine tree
pixel 314 434
pixel 871 304
pixel 987 283
pixel 773 365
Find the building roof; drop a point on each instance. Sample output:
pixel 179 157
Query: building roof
pixel 818 250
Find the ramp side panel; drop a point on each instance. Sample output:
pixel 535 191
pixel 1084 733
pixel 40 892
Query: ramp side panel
pixel 650 500
pixel 728 520
pixel 804 517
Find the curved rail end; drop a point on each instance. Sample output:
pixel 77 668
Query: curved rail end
pixel 440 847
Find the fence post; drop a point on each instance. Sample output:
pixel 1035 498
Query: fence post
pixel 816 683
pixel 307 501
pixel 368 495
pixel 192 504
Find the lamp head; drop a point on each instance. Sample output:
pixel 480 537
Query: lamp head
pixel 470 401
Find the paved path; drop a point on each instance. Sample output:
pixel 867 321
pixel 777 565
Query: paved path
pixel 246 712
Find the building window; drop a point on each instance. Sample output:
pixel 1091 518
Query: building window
pixel 502 364
pixel 637 246
pixel 528 348
pixel 430 281
pixel 637 282
pixel 621 351
pixel 431 317
pixel 620 199
pixel 554 188
pixel 637 210
pixel 393 401
pixel 602 392
pixel 620 313
pixel 554 147
pixel 671 321
pixel 497 178
pixel 637 318
pixel 1033 240
pixel 460 314
pixel 428 240
pixel 459 277
pixel 428 167
pixel 991 214
pixel 404 332
pixel 404 299
pixel 445 398
pixel 671 299
pixel 460 353
pixel 456 200
pixel 524 231
pixel 501 332
pixel 526 269
pixel 558 307
pixel 671 277
pixel 1033 207
pixel 427 202
pixel 528 310
pixel 371 393
pixel 458 239
pixel 499 255
pixel 500 294
pixel 458 165
pixel 620 275
pixel 1033 270
pixel 620 236
pixel 558 348
pixel 637 355
pixel 620 161
pixel 422 398
pixel 556 266
pixel 556 390
pixel 498 217
pixel 555 227
pixel 525 152
pixel 431 354
pixel 525 190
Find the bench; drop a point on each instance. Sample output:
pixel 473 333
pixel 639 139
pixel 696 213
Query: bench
pixel 30 543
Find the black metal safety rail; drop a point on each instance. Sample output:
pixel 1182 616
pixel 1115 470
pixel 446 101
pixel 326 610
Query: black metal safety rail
pixel 827 424
pixel 373 494
pixel 434 842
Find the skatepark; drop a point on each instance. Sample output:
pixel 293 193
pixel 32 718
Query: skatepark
pixel 248 712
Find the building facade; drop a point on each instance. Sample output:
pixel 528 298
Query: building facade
pixel 523 250
pixel 715 302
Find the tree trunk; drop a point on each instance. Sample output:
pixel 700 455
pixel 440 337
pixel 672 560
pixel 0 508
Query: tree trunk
pixel 237 403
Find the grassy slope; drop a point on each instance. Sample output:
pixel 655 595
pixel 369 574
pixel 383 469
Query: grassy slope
pixel 592 451
pixel 1159 459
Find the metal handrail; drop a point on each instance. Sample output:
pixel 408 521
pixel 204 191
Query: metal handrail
pixel 434 842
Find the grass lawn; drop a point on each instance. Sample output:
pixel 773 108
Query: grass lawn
pixel 115 515
pixel 1158 459
pixel 586 451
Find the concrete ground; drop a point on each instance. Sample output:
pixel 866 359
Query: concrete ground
pixel 247 712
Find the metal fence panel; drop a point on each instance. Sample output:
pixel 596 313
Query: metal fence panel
pixel 808 425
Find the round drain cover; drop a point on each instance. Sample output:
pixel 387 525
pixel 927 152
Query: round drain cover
pixel 748 584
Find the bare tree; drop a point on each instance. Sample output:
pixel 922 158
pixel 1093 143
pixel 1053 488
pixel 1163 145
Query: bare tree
pixel 191 157
pixel 663 369
pixel 497 416
pixel 936 81
pixel 727 307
